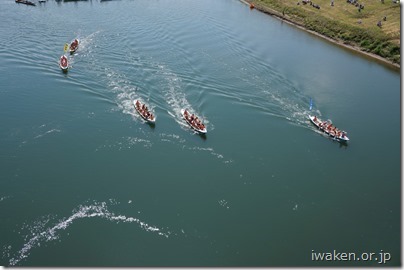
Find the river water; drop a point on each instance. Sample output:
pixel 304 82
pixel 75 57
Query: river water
pixel 85 182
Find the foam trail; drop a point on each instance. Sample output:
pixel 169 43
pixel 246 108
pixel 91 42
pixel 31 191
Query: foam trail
pixel 177 98
pixel 47 132
pixel 84 211
pixel 86 41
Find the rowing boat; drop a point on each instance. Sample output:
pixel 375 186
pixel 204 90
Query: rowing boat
pixel 64 63
pixel 74 45
pixel 328 128
pixel 193 121
pixel 144 112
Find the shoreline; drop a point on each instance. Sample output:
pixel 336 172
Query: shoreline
pixel 356 49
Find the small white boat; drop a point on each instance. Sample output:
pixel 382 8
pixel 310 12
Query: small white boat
pixel 144 112
pixel 74 45
pixel 193 121
pixel 64 63
pixel 328 128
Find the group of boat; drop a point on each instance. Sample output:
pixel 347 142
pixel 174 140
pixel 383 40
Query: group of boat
pixel 196 124
pixel 72 48
pixel 192 120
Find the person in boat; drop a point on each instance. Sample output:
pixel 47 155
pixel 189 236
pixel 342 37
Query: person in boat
pixel 74 44
pixel 315 119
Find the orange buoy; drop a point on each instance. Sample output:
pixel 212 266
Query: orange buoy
pixel 252 6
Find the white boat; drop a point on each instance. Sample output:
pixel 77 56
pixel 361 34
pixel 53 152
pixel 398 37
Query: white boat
pixel 145 114
pixel 193 121
pixel 64 63
pixel 74 45
pixel 328 128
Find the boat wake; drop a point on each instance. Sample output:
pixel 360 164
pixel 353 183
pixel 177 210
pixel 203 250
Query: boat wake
pixel 86 41
pixel 125 93
pixel 40 132
pixel 253 83
pixel 169 85
pixel 47 132
pixel 178 140
pixel 45 230
pixel 176 98
pixel 125 143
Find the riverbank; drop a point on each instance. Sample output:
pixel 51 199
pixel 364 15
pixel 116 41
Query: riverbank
pixel 343 24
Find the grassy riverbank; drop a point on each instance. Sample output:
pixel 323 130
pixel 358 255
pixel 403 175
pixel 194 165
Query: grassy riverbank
pixel 344 23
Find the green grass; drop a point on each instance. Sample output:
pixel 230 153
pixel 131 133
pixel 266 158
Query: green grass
pixel 340 22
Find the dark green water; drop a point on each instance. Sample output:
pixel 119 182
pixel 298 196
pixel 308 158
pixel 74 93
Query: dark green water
pixel 85 182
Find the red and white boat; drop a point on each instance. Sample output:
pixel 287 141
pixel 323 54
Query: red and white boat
pixel 64 63
pixel 144 112
pixel 328 128
pixel 74 45
pixel 194 121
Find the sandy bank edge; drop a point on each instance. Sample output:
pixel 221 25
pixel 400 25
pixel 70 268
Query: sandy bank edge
pixel 279 16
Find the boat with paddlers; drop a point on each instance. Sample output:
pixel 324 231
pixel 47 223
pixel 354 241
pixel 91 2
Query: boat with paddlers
pixel 144 112
pixel 25 2
pixel 64 63
pixel 74 45
pixel 193 121
pixel 328 128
